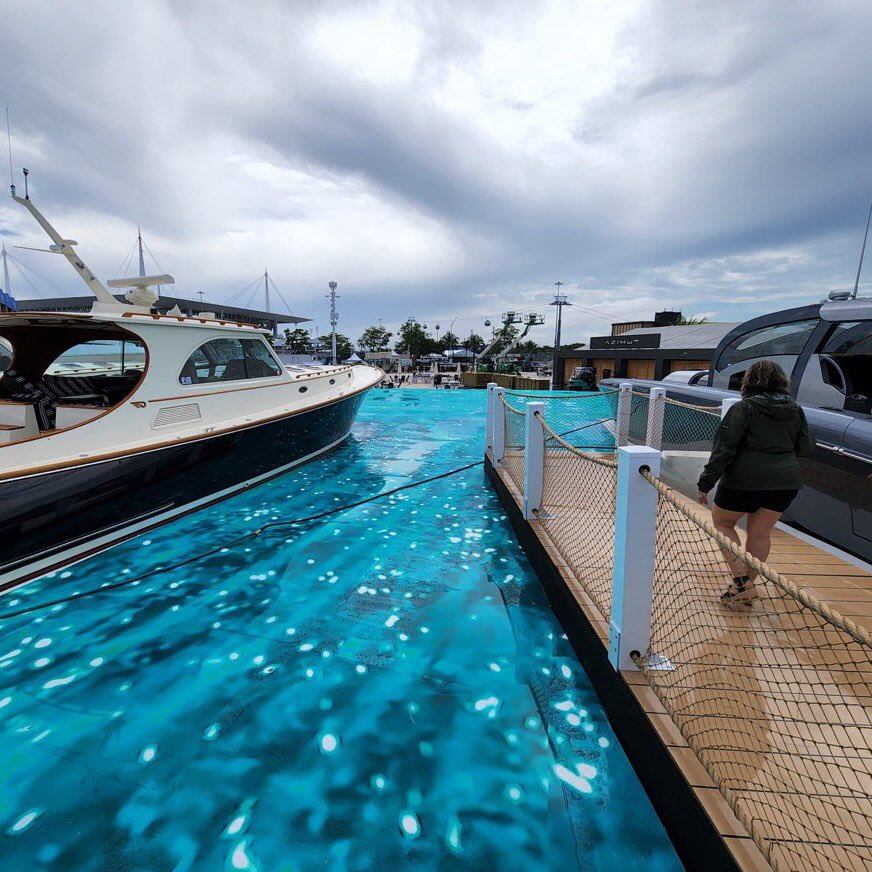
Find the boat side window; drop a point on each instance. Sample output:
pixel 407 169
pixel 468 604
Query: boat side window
pixel 99 372
pixel 222 360
pixel 779 339
pixel 100 357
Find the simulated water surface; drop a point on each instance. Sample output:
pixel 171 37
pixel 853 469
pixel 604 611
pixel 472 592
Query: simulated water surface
pixel 386 689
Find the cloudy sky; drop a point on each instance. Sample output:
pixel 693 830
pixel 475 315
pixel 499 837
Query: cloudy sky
pixel 449 159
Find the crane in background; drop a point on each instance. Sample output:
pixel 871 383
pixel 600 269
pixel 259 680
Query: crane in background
pixel 509 319
pixel 533 320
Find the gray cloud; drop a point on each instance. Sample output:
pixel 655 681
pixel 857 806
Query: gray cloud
pixel 454 159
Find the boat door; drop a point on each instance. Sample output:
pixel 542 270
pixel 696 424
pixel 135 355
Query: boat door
pixel 858 457
pixel 832 490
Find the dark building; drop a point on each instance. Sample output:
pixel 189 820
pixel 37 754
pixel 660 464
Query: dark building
pixel 661 319
pixel 651 351
pixel 269 320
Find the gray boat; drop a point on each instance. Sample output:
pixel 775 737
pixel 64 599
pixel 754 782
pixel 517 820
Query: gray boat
pixel 826 349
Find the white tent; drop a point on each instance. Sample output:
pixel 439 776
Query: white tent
pixel 354 359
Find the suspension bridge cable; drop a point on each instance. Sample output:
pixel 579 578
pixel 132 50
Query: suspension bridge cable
pixel 252 534
pixel 281 297
pixel 23 266
pixel 151 255
pixel 123 267
pixel 27 278
pixel 243 290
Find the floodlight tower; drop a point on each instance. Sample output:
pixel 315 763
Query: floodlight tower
pixel 334 318
pixel 560 301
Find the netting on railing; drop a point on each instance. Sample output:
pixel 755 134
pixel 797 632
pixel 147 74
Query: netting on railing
pixel 773 696
pixel 513 456
pixel 687 427
pixel 585 419
pixel 578 513
pixel 639 404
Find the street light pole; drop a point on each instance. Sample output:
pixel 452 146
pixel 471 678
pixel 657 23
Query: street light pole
pixel 334 318
pixel 560 301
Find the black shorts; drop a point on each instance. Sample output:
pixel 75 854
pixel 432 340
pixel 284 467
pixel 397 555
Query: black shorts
pixel 733 500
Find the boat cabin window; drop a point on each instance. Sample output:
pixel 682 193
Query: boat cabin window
pixel 100 372
pixel 223 360
pixel 61 374
pixel 780 339
pixel 100 357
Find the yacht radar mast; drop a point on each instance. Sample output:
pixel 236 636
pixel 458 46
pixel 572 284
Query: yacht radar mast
pixel 140 293
pixel 64 247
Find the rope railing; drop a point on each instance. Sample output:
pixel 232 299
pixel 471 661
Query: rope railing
pixel 774 696
pixel 577 513
pixel 508 406
pixel 562 394
pixel 860 634
pixel 708 410
pixel 559 441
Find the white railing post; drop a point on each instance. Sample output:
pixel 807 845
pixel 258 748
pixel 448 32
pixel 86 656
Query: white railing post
pixel 633 574
pixel 656 415
pixel 498 445
pixel 625 408
pixel 491 414
pixel 728 404
pixel 534 460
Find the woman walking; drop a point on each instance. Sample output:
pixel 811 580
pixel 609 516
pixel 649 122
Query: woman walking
pixel 755 456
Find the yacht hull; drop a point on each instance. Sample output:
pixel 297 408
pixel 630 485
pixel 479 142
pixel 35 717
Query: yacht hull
pixel 53 518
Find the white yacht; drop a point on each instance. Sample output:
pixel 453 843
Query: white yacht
pixel 120 419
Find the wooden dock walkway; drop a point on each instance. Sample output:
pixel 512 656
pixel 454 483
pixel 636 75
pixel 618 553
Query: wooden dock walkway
pixel 767 714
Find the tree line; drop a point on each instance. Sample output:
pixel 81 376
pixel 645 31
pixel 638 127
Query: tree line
pixel 412 339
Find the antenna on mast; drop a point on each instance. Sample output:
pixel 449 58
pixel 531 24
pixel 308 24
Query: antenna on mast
pixel 862 253
pixel 334 318
pixel 6 281
pixel 9 143
pixel 141 258
pixel 65 247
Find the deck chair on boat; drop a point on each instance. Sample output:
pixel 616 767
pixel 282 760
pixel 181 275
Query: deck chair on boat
pixel 22 390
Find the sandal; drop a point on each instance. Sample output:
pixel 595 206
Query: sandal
pixel 740 592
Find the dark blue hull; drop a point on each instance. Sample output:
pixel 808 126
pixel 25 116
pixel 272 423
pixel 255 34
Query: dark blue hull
pixel 53 517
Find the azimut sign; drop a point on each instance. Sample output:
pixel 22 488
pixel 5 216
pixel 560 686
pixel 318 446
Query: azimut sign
pixel 617 343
